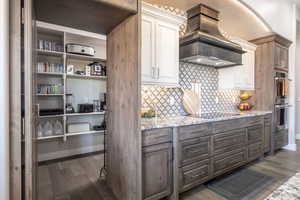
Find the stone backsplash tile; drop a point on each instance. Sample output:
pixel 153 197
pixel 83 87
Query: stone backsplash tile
pixel 159 98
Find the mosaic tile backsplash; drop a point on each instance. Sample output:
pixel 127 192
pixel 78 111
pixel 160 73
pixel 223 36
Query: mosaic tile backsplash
pixel 168 101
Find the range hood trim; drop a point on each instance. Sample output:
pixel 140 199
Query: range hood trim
pixel 204 44
pixel 211 40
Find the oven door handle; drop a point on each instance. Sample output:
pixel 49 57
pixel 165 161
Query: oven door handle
pixel 283 106
pixel 281 78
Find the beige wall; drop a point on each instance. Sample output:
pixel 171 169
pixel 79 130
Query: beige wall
pixel 4 114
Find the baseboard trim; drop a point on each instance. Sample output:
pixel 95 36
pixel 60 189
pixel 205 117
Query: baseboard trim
pixel 69 153
pixel 291 147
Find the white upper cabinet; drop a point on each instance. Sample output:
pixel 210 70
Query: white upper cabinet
pixel 240 77
pixel 160 46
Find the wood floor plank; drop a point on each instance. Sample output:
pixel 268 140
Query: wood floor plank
pixel 78 179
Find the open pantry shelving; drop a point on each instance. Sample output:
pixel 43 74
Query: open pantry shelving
pixel 54 83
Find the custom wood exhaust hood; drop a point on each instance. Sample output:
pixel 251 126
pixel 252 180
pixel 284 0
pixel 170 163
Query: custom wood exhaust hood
pixel 98 16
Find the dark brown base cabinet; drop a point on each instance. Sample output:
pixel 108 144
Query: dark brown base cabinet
pixel 204 152
pixel 157 165
pixel 267 133
pixel 157 171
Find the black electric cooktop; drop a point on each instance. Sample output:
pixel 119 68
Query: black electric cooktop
pixel 215 115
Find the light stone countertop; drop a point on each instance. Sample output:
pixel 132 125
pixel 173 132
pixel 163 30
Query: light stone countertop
pixel 153 123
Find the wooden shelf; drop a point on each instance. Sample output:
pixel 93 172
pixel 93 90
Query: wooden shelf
pixel 86 133
pixel 50 137
pixel 49 53
pixel 76 76
pixel 49 95
pixel 50 73
pixel 85 114
pixel 83 57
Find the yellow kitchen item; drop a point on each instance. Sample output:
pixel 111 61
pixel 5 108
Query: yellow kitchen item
pixel 191 102
pixel 245 106
pixel 245 96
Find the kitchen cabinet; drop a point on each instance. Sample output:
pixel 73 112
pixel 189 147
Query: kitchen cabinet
pixel 157 171
pixel 181 158
pixel 271 59
pixel 160 46
pixel 228 161
pixel 157 165
pixel 281 57
pixel 240 77
pixel 267 133
pixel 209 150
pixel 194 174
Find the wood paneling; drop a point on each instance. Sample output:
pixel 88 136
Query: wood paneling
pixel 98 16
pixel 195 149
pixel 123 125
pixel 194 174
pixel 229 141
pixel 30 150
pixel 156 136
pixel 229 161
pixel 157 171
pixel 124 4
pixel 271 56
pixel 267 133
pixel 15 100
pixel 188 132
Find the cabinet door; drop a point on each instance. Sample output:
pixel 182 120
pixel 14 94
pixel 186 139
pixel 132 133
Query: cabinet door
pixel 148 44
pixel 240 77
pixel 249 70
pixel 285 58
pixel 167 53
pixel 267 136
pixel 157 171
pixel 281 57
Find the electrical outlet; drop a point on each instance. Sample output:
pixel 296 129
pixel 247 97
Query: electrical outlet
pixel 217 100
pixel 233 99
pixel 171 101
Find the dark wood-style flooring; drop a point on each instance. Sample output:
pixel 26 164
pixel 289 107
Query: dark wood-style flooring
pixel 78 179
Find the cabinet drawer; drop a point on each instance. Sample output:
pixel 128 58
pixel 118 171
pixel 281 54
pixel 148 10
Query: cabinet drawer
pixel 188 132
pixel 255 151
pixel 267 136
pixel 156 136
pixel 193 150
pixel 229 141
pixel 194 174
pixel 255 134
pixel 253 121
pixel 281 139
pixel 219 127
pixel 268 118
pixel 229 161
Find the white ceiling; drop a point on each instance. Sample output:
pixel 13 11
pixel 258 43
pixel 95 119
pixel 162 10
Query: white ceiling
pixel 235 18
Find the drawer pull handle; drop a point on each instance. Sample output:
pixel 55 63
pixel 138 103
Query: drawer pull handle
pixel 162 137
pixel 194 151
pixel 196 175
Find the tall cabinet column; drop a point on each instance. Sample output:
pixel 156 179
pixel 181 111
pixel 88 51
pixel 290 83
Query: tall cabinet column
pixel 123 125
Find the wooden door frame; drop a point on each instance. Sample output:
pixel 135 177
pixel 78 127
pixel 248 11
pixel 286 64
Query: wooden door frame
pixel 15 100
pixel 17 125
